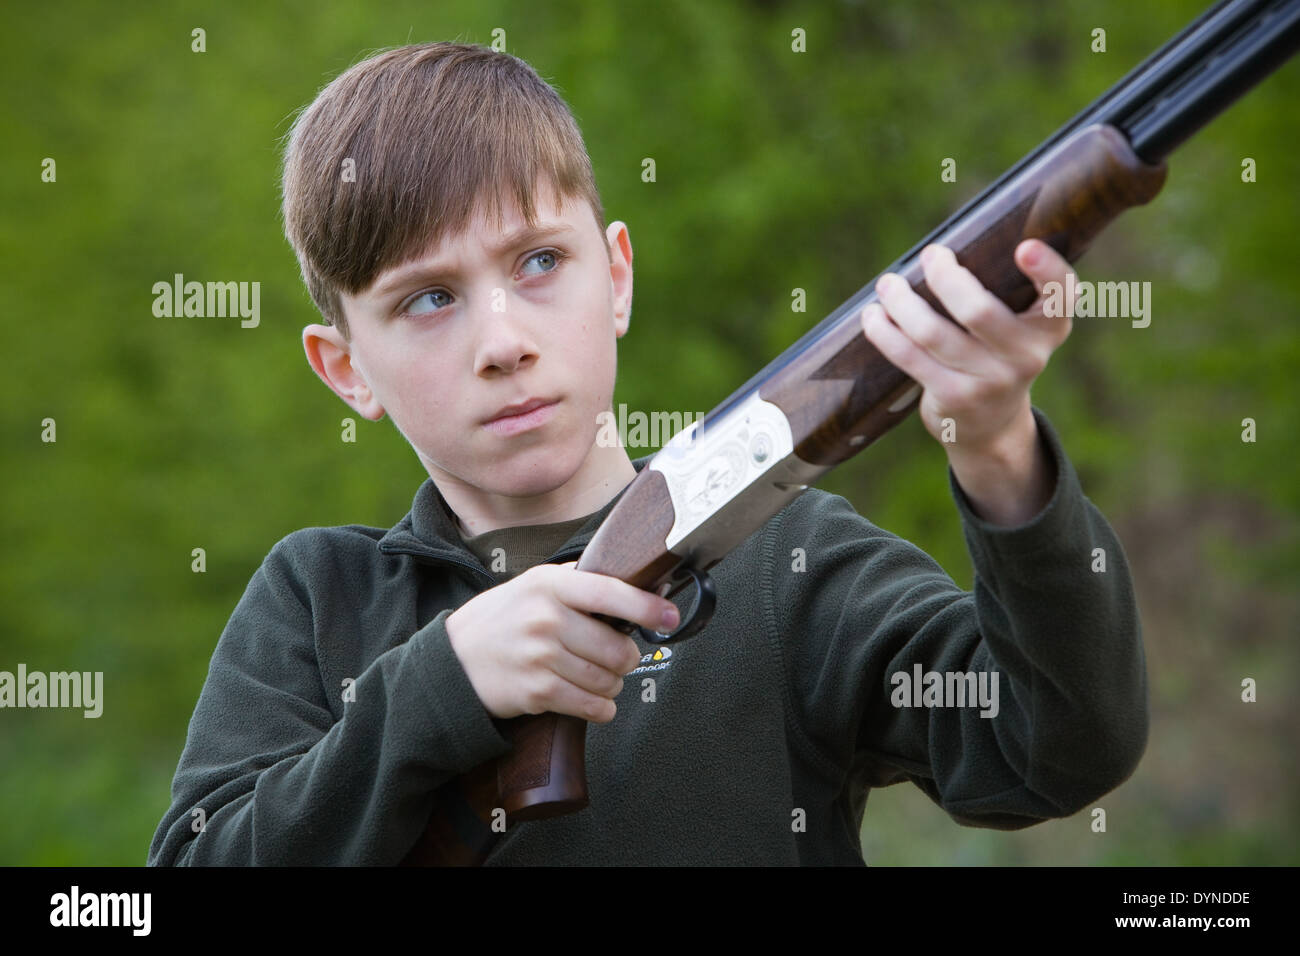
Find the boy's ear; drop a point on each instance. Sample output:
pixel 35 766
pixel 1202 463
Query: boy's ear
pixel 330 357
pixel 620 274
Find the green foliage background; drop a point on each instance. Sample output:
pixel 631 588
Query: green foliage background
pixel 775 170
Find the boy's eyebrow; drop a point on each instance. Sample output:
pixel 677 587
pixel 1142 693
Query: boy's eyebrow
pixel 522 236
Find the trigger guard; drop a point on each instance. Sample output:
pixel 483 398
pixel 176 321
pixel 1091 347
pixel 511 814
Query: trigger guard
pixel 700 613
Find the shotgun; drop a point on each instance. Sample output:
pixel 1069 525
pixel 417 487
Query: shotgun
pixel 832 394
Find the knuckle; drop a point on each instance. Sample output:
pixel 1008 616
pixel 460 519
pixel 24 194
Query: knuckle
pixel 531 577
pixel 535 698
pixel 553 687
pixel 540 655
pixel 991 390
pixel 612 654
pixel 949 396
pixel 938 278
pixel 632 654
pixel 593 675
pixel 551 619
pixel 928 336
pixel 969 393
pixel 1008 375
pixel 1034 366
pixel 550 577
pixel 998 384
pixel 909 352
pixel 632 600
pixel 625 600
pixel 966 280
pixel 530 650
pixel 986 314
pixel 544 618
pixel 974 393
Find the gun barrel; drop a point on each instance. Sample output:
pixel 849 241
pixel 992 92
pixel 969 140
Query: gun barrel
pixel 1207 85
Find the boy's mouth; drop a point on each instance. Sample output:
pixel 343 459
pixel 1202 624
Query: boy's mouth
pixel 522 416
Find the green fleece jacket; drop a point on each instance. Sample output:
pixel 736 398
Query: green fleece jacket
pixel 334 706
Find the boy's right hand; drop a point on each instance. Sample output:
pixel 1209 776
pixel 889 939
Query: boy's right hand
pixel 530 645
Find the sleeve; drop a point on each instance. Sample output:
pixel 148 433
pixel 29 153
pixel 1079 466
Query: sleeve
pixel 278 780
pixel 1052 617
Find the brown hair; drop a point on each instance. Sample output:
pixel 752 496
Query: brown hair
pixel 433 131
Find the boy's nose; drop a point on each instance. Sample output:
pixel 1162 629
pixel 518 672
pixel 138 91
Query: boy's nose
pixel 504 344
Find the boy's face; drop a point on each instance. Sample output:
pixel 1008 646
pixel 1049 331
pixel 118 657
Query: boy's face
pixel 492 318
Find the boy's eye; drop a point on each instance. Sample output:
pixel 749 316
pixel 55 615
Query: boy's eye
pixel 553 255
pixel 423 303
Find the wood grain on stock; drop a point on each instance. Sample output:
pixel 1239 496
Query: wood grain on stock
pixel 837 395
pixel 544 775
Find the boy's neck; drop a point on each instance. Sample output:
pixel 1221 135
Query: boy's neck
pixel 601 477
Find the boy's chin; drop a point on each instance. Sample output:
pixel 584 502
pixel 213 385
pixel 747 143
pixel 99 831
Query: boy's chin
pixel 534 473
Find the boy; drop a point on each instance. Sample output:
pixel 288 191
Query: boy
pixel 443 209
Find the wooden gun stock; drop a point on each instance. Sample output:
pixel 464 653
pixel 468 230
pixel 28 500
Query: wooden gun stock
pixel 544 775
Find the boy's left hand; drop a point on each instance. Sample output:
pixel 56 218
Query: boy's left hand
pixel 978 377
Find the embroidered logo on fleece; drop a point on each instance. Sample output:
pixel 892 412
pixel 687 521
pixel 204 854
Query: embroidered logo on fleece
pixel 656 660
